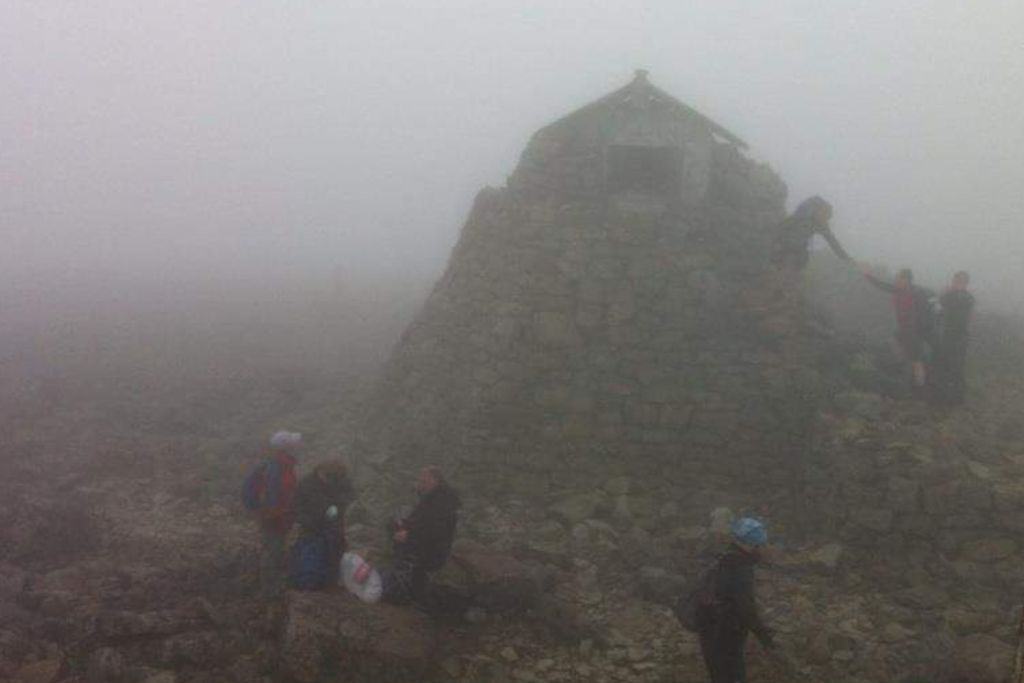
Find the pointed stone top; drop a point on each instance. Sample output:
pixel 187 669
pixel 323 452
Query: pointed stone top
pixel 641 90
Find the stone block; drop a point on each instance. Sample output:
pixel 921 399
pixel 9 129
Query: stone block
pixel 335 637
pixel 497 581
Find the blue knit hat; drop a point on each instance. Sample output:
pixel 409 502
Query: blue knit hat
pixel 749 531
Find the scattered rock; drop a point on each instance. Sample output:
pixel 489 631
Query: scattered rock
pixel 860 404
pixel 45 671
pixel 989 549
pixel 617 486
pixel 894 633
pixel 161 677
pixel 106 665
pixel 577 507
pixel 826 557
pixel 963 621
pixel 658 585
pixel 980 658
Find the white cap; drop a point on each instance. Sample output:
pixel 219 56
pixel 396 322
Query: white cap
pixel 285 440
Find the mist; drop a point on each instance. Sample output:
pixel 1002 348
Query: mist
pixel 247 145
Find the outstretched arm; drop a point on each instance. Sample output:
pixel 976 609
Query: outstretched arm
pixel 833 243
pixel 880 284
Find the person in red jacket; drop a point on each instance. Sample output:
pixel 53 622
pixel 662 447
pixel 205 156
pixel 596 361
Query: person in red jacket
pixel 276 513
pixel 914 320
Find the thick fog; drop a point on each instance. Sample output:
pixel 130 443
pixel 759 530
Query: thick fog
pixel 150 144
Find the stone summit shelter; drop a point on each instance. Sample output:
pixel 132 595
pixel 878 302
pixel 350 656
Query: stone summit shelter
pixel 609 311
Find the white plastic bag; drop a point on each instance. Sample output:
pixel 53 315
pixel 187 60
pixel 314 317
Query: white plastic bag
pixel 354 568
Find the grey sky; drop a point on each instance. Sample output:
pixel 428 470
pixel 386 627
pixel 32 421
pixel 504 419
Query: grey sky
pixel 182 139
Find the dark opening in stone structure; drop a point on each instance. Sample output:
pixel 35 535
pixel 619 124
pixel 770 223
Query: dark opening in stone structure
pixel 648 170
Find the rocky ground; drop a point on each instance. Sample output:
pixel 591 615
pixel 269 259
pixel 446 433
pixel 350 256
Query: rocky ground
pixel 125 556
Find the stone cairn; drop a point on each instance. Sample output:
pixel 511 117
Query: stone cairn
pixel 610 311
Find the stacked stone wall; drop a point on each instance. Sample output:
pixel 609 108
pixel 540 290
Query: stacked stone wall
pixel 570 336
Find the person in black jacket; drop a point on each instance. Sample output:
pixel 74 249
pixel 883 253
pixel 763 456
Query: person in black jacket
pixel 732 614
pixel 423 539
pixel 951 355
pixel 320 502
pixel 793 236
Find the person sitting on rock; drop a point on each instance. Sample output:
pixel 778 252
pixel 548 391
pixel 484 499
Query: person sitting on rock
pixel 320 503
pixel 794 234
pixel 732 613
pixel 423 539
pixel 915 321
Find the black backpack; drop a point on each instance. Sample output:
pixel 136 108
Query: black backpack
pixel 924 313
pixel 696 606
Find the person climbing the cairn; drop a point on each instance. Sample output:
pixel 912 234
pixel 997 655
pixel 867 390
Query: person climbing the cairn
pixel 793 236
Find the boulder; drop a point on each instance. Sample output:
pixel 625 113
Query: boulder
pixel 823 559
pixel 964 621
pixel 12 580
pixel 595 535
pixel 499 582
pixel 658 585
pixel 106 665
pixel 44 671
pixel 980 658
pixel 334 636
pixel 875 520
pixel 617 486
pixel 577 507
pixel 161 677
pixel 115 625
pixel 860 404
pixel 989 549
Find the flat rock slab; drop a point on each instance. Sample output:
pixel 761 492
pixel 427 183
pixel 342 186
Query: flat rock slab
pixel 497 581
pixel 333 637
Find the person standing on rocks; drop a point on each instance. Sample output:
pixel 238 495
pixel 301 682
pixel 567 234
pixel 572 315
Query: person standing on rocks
pixel 269 492
pixel 320 503
pixel 423 539
pixel 732 613
pixel 956 305
pixel 915 320
pixel 794 234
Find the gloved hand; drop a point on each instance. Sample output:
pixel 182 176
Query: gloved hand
pixel 332 513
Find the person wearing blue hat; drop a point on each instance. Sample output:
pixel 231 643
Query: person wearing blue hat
pixel 732 612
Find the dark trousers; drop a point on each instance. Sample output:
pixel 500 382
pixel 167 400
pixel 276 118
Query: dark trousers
pixel 406 580
pixel 723 652
pixel 950 371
